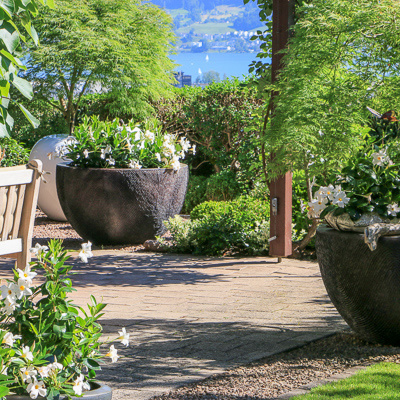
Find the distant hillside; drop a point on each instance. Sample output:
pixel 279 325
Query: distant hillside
pixel 191 5
pixel 213 25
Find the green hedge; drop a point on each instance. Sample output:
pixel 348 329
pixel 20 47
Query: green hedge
pixel 240 226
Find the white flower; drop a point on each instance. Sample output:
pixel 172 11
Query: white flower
pixel 316 207
pixel 158 157
pixel 149 136
pixel 36 389
pixel 138 134
pixel 393 209
pixel 176 165
pixel 194 149
pixel 110 161
pixel 113 354
pixel 107 149
pixel 26 353
pixel 26 274
pixel 86 252
pixel 28 373
pixel 380 158
pixel 9 306
pixel 44 371
pixel 102 154
pixel 38 250
pixel 134 165
pixel 86 153
pixel 54 368
pixel 79 385
pixel 168 149
pixel 9 339
pixel 340 199
pixel 185 144
pixel 8 291
pixel 23 288
pixel 321 192
pixel 124 337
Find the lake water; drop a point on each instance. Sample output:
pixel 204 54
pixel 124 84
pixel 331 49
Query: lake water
pixel 231 64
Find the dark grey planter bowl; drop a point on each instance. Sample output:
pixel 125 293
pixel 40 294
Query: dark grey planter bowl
pixel 120 206
pixel 363 285
pixel 99 392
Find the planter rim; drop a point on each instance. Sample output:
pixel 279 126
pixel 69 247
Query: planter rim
pixel 67 165
pixel 100 389
pixel 324 228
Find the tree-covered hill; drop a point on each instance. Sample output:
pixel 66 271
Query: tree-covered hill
pixel 191 5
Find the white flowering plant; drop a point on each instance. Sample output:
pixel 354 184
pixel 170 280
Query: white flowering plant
pixel 369 183
pixel 50 347
pixel 105 144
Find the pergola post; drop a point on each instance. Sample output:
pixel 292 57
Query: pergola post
pixel 281 187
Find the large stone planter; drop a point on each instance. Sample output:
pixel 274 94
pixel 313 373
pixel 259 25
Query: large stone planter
pixel 363 285
pixel 99 392
pixel 120 206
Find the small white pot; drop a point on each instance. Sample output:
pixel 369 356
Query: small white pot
pixel 48 199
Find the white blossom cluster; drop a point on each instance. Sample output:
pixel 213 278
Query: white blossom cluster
pixel 134 141
pixel 34 376
pixel 324 196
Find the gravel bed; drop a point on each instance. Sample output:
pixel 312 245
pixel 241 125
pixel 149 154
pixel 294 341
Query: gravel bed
pixel 284 372
pixel 46 229
pixel 266 378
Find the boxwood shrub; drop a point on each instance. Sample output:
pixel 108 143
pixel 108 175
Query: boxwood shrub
pixel 240 226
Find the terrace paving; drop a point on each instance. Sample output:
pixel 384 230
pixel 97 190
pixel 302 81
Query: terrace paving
pixel 191 317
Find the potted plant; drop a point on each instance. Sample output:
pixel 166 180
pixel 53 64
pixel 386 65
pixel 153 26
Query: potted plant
pixel 360 272
pixel 123 180
pixel 50 347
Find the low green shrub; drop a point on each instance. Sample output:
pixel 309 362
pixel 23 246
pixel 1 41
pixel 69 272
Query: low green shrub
pixel 240 226
pixel 14 153
pixel 221 186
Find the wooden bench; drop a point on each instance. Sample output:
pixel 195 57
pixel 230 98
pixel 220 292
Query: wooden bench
pixel 19 188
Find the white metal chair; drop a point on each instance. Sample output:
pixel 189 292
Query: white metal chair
pixel 19 187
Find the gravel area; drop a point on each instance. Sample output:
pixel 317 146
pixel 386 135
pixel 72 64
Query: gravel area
pixel 46 229
pixel 284 372
pixel 267 378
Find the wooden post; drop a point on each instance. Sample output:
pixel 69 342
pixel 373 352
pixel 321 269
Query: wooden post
pixel 280 188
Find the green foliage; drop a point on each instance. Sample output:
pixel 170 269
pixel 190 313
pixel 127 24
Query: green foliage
pixel 371 185
pixel 221 186
pixel 216 118
pixel 13 12
pixel 14 153
pixel 120 46
pixel 46 338
pixel 342 57
pixel 104 144
pixel 216 228
pixel 51 120
pixel 196 193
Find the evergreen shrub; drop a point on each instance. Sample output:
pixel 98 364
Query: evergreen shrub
pixel 240 226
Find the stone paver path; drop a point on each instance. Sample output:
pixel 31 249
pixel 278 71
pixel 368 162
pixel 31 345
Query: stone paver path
pixel 190 317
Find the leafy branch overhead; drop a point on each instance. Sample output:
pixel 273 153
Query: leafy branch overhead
pixel 15 15
pixel 117 46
